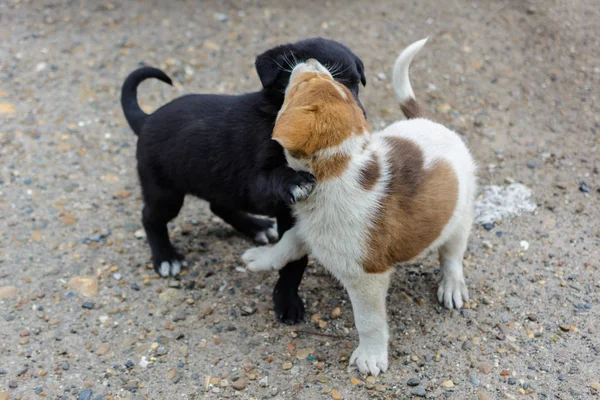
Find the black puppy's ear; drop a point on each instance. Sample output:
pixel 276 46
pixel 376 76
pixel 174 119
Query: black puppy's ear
pixel 268 65
pixel 361 70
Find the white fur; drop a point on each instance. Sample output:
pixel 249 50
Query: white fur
pixel 335 220
pixel 272 233
pixel 172 268
pixel 301 192
pixel 401 81
pixel 165 269
pixel 267 258
pixel 261 238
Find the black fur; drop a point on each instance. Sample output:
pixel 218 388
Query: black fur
pixel 219 148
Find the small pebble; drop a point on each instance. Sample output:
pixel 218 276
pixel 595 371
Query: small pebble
pixel 221 17
pixel 485 368
pixel 161 351
pixel 474 380
pixel 488 226
pixel 532 317
pixel 286 365
pixel 86 394
pixel 413 382
pixel 239 384
pixel 512 380
pixel 103 349
pixel 65 366
pixel 565 328
pixel 419 391
pixel 88 305
pixel 129 364
pixel 583 187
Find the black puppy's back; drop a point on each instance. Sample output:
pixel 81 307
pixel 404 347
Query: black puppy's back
pixel 211 146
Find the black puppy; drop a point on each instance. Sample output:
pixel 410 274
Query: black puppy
pixel 219 148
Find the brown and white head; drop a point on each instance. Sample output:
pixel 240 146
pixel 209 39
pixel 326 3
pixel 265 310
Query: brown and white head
pixel 320 124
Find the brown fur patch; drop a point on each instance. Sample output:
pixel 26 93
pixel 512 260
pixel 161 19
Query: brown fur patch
pixel 370 173
pixel 411 109
pixel 418 204
pixel 330 167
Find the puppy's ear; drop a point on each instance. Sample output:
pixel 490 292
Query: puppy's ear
pixel 268 65
pixel 293 129
pixel 361 70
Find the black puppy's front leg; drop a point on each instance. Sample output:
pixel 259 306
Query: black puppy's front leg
pixel 277 187
pixel 289 307
pixel 277 183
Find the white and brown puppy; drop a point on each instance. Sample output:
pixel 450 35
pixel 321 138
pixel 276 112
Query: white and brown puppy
pixel 381 198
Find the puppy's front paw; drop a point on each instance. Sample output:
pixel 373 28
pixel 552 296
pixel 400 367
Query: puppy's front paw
pixel 261 259
pixel 370 360
pixel 298 187
pixel 453 292
pixel 267 235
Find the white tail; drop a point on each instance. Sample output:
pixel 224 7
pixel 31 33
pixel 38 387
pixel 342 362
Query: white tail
pixel 400 79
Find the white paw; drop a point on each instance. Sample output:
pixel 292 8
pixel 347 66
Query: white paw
pixel 267 236
pixel 261 238
pixel 272 233
pixel 260 259
pixel 301 192
pixel 453 293
pixel 171 268
pixel 369 360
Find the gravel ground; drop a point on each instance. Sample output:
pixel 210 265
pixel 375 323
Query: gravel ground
pixel 519 79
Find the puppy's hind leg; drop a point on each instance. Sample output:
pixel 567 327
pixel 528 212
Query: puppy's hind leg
pixel 160 207
pixel 452 291
pixel 262 231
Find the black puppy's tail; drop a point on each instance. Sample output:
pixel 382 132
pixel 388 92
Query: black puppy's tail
pixel 133 113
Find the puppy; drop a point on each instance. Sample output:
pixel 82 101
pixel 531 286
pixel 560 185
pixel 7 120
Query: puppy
pixel 219 148
pixel 381 198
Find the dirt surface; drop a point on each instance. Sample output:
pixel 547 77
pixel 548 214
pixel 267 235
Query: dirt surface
pixel 519 79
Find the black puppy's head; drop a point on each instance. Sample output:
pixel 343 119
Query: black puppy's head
pixel 275 65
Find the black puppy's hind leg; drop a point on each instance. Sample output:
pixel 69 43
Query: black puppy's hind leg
pixel 160 207
pixel 289 307
pixel 260 230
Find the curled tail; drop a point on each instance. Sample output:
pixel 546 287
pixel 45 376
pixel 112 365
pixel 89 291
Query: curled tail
pixel 401 82
pixel 133 113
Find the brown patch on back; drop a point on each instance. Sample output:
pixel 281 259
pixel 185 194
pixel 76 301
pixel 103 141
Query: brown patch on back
pixel 370 173
pixel 411 109
pixel 418 205
pixel 330 167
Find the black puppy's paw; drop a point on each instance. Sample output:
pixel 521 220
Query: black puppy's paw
pixel 297 187
pixel 170 267
pixel 268 233
pixel 289 307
